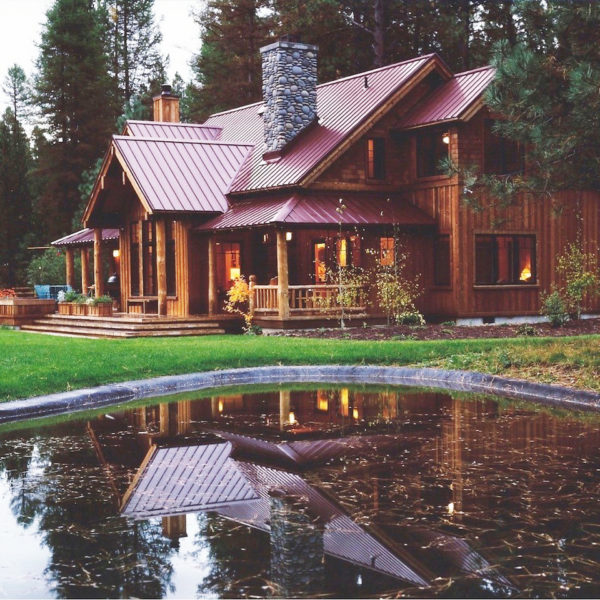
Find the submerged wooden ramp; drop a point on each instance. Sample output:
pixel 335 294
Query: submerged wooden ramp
pixel 122 325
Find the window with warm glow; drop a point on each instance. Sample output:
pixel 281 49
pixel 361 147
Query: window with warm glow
pixel 376 158
pixel 505 259
pixel 386 251
pixel 228 263
pixel 320 262
pixel 432 148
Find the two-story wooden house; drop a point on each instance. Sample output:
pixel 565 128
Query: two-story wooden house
pixel 316 176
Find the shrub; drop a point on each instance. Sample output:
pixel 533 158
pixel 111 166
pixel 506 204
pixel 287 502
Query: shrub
pixel 555 308
pixel 526 329
pixel 410 318
pixel 101 300
pixel 47 268
pixel 238 301
pixel 71 296
pixel 396 294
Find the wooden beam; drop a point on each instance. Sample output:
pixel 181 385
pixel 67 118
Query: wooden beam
pixel 212 275
pixel 283 299
pixel 85 283
pixel 98 282
pixel 70 268
pixel 161 265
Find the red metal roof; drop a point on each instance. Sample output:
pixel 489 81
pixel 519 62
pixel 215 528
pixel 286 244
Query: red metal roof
pixel 181 175
pixel 85 237
pixel 451 99
pixel 342 105
pixel 177 131
pixel 322 209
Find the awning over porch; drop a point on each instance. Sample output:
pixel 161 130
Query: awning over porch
pixel 85 237
pixel 321 209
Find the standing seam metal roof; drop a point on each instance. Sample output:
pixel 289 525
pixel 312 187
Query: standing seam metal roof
pixel 451 99
pixel 341 106
pixel 182 175
pixel 176 131
pixel 85 237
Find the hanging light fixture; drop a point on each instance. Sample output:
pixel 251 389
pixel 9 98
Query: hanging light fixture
pixel 446 137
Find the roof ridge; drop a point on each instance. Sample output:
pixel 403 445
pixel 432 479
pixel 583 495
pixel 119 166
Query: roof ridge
pixel 484 68
pixel 346 78
pixel 135 138
pixel 170 123
pixel 379 69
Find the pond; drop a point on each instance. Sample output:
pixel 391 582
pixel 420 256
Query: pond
pixel 303 491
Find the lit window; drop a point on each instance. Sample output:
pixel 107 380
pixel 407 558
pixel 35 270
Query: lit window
pixel 386 251
pixel 320 264
pixel 505 259
pixel 376 158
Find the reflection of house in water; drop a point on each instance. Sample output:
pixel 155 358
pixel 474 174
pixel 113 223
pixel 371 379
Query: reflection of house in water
pixel 242 456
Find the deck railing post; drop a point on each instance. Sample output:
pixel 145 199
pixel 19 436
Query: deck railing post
pixel 251 294
pixel 283 300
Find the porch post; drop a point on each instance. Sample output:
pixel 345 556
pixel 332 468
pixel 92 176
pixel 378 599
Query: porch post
pixel 251 294
pixel 98 282
pixel 283 299
pixel 70 267
pixel 84 270
pixel 212 275
pixel 161 266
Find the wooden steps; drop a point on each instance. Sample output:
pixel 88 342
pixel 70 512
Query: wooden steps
pixel 24 292
pixel 130 326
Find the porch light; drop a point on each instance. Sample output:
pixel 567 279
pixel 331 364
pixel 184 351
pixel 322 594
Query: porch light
pixel 116 253
pixel 288 236
pixel 446 137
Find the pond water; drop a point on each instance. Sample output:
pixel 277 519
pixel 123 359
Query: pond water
pixel 290 492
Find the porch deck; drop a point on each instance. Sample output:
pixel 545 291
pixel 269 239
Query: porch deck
pixel 124 325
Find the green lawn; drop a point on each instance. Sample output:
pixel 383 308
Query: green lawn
pixel 32 364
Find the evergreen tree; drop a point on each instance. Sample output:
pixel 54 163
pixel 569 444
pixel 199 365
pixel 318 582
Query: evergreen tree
pixel 228 67
pixel 15 197
pixel 74 92
pixel 133 44
pixel 16 88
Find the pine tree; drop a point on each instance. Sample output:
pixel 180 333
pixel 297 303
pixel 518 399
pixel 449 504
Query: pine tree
pixel 75 95
pixel 228 67
pixel 15 197
pixel 132 41
pixel 16 87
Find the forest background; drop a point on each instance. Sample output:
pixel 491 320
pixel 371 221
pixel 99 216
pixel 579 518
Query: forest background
pixel 100 63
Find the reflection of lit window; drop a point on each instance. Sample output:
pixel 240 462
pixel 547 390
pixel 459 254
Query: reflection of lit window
pixel 451 508
pixel 344 401
pixel 355 413
pixel 386 251
pixel 292 418
pixel 322 401
pixel 220 407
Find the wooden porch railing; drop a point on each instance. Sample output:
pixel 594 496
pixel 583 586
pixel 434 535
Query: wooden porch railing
pixel 309 298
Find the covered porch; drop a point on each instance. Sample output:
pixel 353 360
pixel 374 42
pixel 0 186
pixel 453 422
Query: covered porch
pixel 300 255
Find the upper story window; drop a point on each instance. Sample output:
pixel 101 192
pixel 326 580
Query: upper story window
pixel 432 148
pixel 505 259
pixel 501 155
pixel 376 158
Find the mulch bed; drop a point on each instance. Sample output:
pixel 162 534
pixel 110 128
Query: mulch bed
pixel 449 332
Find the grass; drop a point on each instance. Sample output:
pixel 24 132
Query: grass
pixel 32 364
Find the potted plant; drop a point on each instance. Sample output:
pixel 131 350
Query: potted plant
pixel 66 301
pixel 79 306
pixel 101 306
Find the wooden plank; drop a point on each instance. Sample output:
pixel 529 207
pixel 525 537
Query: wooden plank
pixel 161 266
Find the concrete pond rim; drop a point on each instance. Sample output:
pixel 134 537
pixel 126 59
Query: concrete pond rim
pixel 464 381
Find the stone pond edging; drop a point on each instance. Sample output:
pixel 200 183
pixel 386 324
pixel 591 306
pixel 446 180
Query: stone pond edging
pixel 466 381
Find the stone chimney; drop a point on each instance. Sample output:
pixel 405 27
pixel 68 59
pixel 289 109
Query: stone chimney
pixel 289 71
pixel 166 105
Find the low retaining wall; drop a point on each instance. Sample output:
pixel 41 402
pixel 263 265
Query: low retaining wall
pixel 424 377
pixel 17 311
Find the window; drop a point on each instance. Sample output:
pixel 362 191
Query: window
pixel 432 147
pixel 134 253
pixel 501 156
pixel 149 257
pixel 376 158
pixel 228 263
pixel 505 259
pixel 348 251
pixel 441 260
pixel 320 272
pixel 170 259
pixel 386 251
